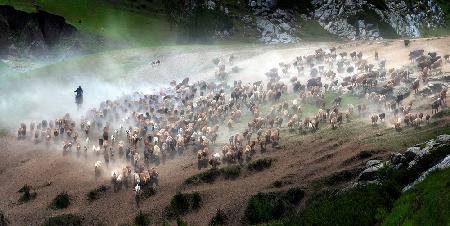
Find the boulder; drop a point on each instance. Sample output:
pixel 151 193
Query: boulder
pixel 369 174
pixel 373 162
pixel 443 139
pixel 397 158
pixel 285 26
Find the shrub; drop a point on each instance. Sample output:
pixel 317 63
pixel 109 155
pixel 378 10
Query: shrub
pixel 65 219
pixel 208 176
pixel 260 208
pixel 27 194
pixel 264 207
pixel 294 195
pixel 61 201
pixel 181 204
pixel 142 219
pixel 3 220
pixel 180 222
pixel 338 177
pixel 231 172
pixel 147 193
pixel 219 219
pixel 260 164
pixel 277 184
pixel 95 194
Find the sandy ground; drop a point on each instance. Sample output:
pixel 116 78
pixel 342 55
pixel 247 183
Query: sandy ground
pixel 300 162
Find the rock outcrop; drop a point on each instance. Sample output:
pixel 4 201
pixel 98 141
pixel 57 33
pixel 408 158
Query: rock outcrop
pixel 275 25
pixel 39 34
pixel 369 19
pixel 408 159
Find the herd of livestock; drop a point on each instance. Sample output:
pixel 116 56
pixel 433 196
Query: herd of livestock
pixel 142 131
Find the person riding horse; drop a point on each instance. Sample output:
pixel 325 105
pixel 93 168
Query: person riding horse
pixel 79 96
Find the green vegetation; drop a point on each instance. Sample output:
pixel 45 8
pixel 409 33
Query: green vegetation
pixel 277 184
pixel 313 32
pixel 106 19
pixel 265 207
pixel 260 164
pixel 427 203
pixel 95 194
pixel 142 219
pixel 61 201
pixel 360 206
pixel 3 132
pixel 27 194
pixel 219 219
pixel 3 220
pixel 209 176
pixel 65 219
pixel 375 204
pixel 181 204
pixel 231 171
pixel 339 177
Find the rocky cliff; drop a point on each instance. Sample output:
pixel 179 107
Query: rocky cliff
pixel 349 19
pixel 38 34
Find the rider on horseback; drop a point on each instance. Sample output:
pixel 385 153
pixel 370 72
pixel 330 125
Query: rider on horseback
pixel 79 91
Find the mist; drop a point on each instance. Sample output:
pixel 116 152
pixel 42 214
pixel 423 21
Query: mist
pixel 48 92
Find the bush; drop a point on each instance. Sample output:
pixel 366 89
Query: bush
pixel 95 194
pixel 219 219
pixel 180 222
pixel 277 184
pixel 3 220
pixel 260 164
pixel 142 219
pixel 260 208
pixel 264 207
pixel 231 172
pixel 181 204
pixel 339 177
pixel 61 201
pixel 208 176
pixel 27 194
pixel 294 195
pixel 65 219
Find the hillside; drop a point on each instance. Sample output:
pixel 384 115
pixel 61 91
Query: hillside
pixel 148 23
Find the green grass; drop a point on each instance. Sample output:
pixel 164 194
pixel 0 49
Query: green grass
pixel 312 31
pixel 65 219
pixel 428 203
pixel 106 19
pixel 265 207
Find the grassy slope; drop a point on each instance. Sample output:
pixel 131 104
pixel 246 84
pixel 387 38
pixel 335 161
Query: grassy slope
pixel 104 18
pixel 428 203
